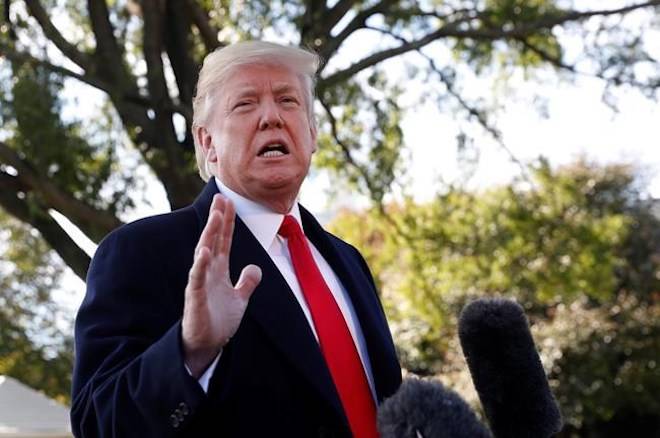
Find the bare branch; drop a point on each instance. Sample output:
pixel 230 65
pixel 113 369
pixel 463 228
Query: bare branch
pixel 378 57
pixel 177 36
pixel 208 33
pixel 15 55
pixel 70 51
pixel 95 222
pixel 558 63
pixel 358 22
pixel 107 48
pixel 473 112
pixel 551 21
pixel 106 43
pixel 37 216
pixel 153 46
pixel 478 115
pixel 454 30
pixel 336 13
pixel 346 150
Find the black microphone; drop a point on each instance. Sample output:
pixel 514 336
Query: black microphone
pixel 426 409
pixel 507 371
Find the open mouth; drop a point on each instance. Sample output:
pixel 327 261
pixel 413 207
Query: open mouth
pixel 273 150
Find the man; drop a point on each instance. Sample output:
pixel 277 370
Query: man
pixel 202 323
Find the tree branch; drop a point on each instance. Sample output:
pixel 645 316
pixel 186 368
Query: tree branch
pixel 68 49
pixel 346 150
pixel 96 223
pixel 310 23
pixel 478 115
pixel 378 57
pixel 208 33
pixel 358 22
pixel 153 46
pixel 558 63
pixel 550 21
pixel 107 49
pixel 17 56
pixel 472 111
pixel 179 48
pixel 453 30
pixel 38 217
pixel 363 173
pixel 336 13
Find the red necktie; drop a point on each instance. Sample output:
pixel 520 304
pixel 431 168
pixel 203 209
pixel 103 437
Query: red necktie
pixel 335 339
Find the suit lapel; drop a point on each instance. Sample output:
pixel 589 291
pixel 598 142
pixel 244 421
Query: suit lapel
pixel 274 307
pixel 384 365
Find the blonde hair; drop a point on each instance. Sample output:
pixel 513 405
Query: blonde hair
pixel 218 65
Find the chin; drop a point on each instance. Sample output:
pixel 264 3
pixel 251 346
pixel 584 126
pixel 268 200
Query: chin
pixel 282 182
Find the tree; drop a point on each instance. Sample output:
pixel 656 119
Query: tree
pixel 33 346
pixel 144 57
pixel 579 248
pixel 141 59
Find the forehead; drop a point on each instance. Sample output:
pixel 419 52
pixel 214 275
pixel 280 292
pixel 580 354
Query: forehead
pixel 256 76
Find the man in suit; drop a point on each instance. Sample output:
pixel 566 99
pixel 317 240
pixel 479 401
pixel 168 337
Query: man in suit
pixel 238 315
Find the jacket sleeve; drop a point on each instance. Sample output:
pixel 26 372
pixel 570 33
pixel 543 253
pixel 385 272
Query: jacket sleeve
pixel 129 376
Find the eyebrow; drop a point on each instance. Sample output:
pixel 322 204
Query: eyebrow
pixel 283 88
pixel 248 90
pixel 245 91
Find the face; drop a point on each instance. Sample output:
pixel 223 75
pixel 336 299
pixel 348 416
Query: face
pixel 259 137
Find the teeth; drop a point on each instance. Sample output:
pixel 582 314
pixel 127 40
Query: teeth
pixel 271 154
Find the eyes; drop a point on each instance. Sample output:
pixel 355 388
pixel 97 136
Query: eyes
pixel 287 101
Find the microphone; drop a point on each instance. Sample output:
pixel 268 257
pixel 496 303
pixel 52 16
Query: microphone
pixel 426 409
pixel 507 371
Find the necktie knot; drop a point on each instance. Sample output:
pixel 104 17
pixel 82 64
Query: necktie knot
pixel 290 228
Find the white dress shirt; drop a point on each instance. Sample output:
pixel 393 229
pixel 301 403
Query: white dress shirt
pixel 263 223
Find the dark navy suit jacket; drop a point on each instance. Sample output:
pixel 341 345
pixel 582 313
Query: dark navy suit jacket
pixel 271 380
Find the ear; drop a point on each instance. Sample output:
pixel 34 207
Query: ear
pixel 205 141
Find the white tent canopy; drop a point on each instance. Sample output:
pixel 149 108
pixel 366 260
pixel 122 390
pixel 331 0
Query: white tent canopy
pixel 26 413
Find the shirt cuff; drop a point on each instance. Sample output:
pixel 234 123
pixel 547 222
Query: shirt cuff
pixel 205 378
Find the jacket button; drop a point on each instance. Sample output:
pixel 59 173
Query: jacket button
pixel 174 421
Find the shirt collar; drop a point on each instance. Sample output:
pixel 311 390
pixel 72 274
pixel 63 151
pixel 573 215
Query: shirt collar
pixel 262 222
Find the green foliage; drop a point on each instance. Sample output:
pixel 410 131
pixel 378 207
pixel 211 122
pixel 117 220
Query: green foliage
pixel 528 52
pixel 57 149
pixel 578 247
pixel 554 242
pixel 604 366
pixel 540 244
pixel 33 346
pixel 364 130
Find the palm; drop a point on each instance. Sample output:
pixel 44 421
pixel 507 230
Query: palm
pixel 213 306
pixel 226 305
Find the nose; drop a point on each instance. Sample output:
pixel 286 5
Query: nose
pixel 270 117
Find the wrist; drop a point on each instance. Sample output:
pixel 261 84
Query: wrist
pixel 197 361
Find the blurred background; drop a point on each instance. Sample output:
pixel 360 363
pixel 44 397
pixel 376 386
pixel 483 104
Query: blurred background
pixel 467 148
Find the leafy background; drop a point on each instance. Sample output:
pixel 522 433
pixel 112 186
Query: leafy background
pixel 95 105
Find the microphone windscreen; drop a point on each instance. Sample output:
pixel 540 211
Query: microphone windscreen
pixel 426 409
pixel 507 371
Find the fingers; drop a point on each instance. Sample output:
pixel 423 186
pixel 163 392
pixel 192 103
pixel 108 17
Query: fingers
pixel 197 274
pixel 208 236
pixel 223 239
pixel 248 281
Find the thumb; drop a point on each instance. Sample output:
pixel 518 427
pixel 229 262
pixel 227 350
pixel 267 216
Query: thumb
pixel 249 280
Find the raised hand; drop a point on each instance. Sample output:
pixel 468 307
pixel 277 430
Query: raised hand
pixel 213 307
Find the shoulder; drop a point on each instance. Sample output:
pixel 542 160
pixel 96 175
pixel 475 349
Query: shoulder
pixel 342 245
pixel 155 229
pixel 151 238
